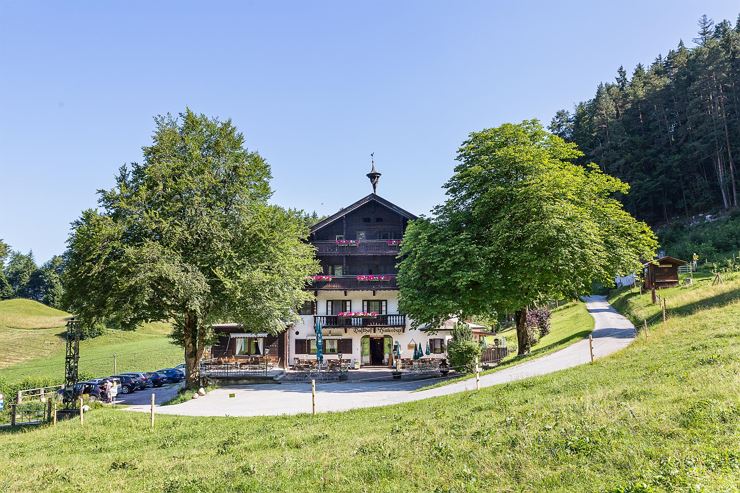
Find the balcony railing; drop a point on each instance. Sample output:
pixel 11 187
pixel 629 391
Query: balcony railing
pixel 359 247
pixel 386 320
pixel 338 283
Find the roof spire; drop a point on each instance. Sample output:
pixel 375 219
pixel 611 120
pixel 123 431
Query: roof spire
pixel 374 176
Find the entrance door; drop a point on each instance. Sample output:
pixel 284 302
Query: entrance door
pixel 376 351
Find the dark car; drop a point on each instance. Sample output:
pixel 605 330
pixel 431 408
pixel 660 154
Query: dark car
pixel 128 383
pixel 173 374
pixel 141 379
pixel 87 388
pixel 156 379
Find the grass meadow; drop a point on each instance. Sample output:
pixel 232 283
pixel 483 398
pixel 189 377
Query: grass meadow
pixel 662 415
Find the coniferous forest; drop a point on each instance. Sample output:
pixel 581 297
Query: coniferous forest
pixel 671 129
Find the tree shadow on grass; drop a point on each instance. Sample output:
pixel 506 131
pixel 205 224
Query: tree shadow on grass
pixel 717 301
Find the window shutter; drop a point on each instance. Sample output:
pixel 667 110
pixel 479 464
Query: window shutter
pixel 345 346
pixel 314 306
pixel 384 307
pixel 300 346
pixel 347 305
pixel 329 307
pixel 364 305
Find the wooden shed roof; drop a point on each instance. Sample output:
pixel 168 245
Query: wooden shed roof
pixel 666 260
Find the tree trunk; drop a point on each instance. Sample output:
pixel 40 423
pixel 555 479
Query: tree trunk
pixel 522 331
pixel 193 341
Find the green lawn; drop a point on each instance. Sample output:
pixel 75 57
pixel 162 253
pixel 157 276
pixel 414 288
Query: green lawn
pixel 32 346
pixel 661 415
pixel 570 323
pixel 28 329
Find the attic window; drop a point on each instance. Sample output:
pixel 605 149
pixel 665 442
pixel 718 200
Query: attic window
pixel 378 219
pixel 365 219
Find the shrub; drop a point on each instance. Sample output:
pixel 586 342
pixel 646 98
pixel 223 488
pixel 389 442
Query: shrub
pixel 462 350
pixel 538 320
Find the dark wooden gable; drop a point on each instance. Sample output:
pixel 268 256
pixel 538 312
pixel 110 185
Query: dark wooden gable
pixel 371 217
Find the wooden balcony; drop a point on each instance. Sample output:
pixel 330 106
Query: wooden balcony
pixel 339 283
pixel 361 247
pixel 386 320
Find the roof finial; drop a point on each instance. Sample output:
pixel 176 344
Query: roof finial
pixel 374 176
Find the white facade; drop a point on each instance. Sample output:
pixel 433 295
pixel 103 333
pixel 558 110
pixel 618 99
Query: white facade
pixel 407 337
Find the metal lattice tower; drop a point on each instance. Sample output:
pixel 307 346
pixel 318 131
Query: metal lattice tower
pixel 71 361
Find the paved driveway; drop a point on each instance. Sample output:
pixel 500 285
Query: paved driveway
pixel 612 332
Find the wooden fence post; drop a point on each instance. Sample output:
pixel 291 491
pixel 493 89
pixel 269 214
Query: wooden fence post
pixel 82 412
pixel 13 412
pixel 18 397
pixel 47 418
pixel 591 346
pixel 644 321
pixel 477 375
pixel 54 413
pixel 151 418
pixel 664 316
pixel 313 396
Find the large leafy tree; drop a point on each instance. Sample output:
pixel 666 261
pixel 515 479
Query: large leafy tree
pixel 189 236
pixel 6 291
pixel 521 225
pixel 18 272
pixel 45 284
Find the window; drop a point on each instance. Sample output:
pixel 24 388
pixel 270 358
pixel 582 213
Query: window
pixel 366 220
pixel 301 346
pixel 331 346
pixel 335 307
pixel 345 346
pixel 339 237
pixel 377 306
pixel 437 346
pixel 250 346
pixel 336 270
pixel 378 219
pixel 308 308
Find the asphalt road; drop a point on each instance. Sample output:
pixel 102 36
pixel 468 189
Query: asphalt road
pixel 612 332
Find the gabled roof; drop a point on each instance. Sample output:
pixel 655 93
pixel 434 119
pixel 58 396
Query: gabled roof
pixel 365 200
pixel 667 260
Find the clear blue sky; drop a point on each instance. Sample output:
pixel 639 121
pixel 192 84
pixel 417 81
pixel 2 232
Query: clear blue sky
pixel 314 86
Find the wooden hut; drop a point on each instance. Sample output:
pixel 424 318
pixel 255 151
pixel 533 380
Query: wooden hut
pixel 661 273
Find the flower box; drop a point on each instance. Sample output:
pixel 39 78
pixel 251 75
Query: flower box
pixel 321 278
pixel 374 277
pixel 352 243
pixel 393 242
pixel 358 314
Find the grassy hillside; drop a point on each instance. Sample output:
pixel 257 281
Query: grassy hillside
pixel 661 415
pixel 28 329
pixel 32 346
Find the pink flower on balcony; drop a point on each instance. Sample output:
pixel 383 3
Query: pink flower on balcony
pixel 374 277
pixel 353 243
pixel 393 242
pixel 321 278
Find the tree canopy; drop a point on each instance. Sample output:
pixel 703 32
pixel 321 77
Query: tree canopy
pixel 189 236
pixel 522 224
pixel 671 129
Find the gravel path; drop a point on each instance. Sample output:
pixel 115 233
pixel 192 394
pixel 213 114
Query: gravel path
pixel 612 332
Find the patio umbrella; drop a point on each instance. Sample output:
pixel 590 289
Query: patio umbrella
pixel 429 350
pixel 397 349
pixel 319 342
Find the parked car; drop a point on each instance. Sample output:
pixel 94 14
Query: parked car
pixel 87 388
pixel 128 383
pixel 173 375
pixel 156 379
pixel 141 379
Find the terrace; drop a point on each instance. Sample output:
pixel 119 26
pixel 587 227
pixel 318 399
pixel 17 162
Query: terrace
pixel 354 282
pixel 357 247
